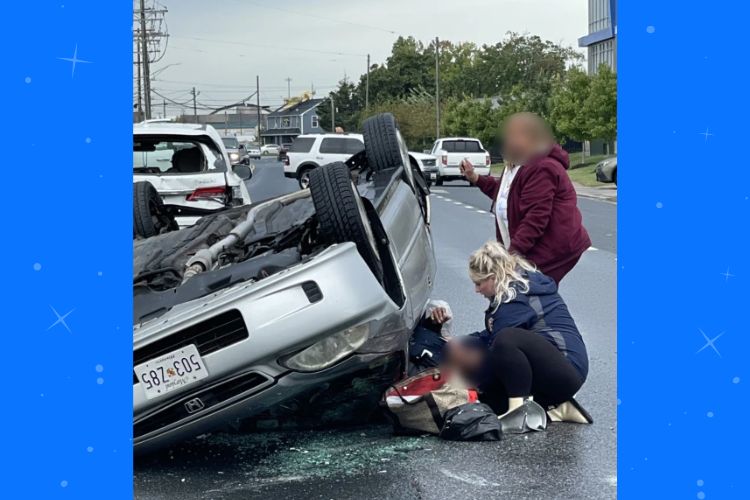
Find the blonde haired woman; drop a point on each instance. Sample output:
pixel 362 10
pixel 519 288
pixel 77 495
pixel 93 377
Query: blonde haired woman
pixel 530 348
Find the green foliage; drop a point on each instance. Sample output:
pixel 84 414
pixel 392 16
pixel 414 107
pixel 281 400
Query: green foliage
pixel 600 106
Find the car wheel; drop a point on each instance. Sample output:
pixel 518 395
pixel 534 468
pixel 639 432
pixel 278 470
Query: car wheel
pixel 439 181
pixel 614 176
pixel 303 177
pixel 384 146
pixel 341 214
pixel 149 215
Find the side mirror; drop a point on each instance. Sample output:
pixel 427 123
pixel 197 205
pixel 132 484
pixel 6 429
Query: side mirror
pixel 244 172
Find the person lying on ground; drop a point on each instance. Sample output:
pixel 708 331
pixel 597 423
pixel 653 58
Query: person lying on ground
pixel 534 202
pixel 530 348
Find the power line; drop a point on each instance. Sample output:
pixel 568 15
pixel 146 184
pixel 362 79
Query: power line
pixel 256 45
pixel 314 16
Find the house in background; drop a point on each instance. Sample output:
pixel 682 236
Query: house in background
pixel 236 121
pixel 295 118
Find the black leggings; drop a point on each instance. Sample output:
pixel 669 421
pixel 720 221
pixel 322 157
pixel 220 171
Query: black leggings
pixel 523 363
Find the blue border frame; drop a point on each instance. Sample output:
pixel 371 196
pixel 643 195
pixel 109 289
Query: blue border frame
pixel 67 418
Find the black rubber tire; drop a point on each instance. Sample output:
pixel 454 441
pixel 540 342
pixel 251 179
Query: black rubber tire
pixel 439 181
pixel 341 217
pixel 382 145
pixel 149 216
pixel 614 177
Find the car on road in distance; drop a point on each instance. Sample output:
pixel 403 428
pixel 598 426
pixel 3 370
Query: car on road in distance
pixel 287 307
pixel 450 151
pixel 236 151
pixel 252 149
pixel 427 164
pixel 184 172
pixel 606 170
pixel 283 151
pixel 270 149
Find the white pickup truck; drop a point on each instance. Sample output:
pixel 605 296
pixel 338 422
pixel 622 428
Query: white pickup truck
pixel 450 151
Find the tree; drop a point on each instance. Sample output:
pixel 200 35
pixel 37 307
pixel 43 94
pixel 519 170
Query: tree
pixel 566 105
pixel 415 115
pixel 600 106
pixel 472 118
pixel 348 107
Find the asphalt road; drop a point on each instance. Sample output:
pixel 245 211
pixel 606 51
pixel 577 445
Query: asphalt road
pixel 566 461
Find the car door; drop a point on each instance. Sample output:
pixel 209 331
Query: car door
pixel 411 244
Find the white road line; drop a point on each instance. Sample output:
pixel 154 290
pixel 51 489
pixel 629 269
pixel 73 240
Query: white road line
pixel 457 203
pixel 438 191
pixel 592 249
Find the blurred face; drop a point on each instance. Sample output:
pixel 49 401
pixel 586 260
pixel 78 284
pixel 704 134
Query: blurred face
pixel 465 360
pixel 519 143
pixel 486 287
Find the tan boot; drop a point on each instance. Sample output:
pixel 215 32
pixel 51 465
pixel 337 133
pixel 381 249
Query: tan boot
pixel 569 411
pixel 514 403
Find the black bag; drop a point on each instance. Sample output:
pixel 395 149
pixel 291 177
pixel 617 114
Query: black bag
pixel 426 348
pixel 471 422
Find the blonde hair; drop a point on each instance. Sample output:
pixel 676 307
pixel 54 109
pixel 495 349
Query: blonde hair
pixel 492 259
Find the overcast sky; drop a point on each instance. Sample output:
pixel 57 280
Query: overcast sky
pixel 319 41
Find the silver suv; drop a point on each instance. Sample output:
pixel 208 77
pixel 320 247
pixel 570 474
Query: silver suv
pixel 280 307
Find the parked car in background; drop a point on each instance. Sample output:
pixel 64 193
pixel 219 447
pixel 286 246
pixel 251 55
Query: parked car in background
pixel 236 151
pixel 606 170
pixel 450 151
pixel 288 316
pixel 182 172
pixel 252 149
pixel 270 149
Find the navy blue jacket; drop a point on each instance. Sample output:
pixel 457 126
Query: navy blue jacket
pixel 542 311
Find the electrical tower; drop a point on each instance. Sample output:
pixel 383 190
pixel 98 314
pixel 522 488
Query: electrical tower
pixel 150 38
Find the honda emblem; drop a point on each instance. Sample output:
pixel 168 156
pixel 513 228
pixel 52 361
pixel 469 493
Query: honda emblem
pixel 194 405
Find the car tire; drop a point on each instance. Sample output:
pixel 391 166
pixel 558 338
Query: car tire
pixel 383 144
pixel 303 176
pixel 149 215
pixel 341 214
pixel 614 176
pixel 439 181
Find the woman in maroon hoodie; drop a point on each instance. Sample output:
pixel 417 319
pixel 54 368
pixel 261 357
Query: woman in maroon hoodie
pixel 534 202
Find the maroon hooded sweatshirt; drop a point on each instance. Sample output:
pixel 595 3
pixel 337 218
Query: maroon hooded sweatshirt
pixel 544 222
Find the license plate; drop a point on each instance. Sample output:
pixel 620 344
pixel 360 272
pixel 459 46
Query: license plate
pixel 433 177
pixel 171 371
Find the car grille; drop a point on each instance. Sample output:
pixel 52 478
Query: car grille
pixel 199 403
pixel 428 163
pixel 208 336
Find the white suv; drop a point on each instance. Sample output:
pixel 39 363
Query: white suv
pixel 315 150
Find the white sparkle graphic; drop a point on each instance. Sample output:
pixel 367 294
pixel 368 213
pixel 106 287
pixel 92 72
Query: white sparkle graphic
pixel 706 134
pixel 60 319
pixel 710 414
pixel 74 60
pixel 701 495
pixel 700 482
pixel 37 266
pixel 736 380
pixel 650 30
pixel 99 368
pixel 659 204
pixel 727 275
pixel 710 342
pixel 64 483
pixel 27 79
pixel 100 380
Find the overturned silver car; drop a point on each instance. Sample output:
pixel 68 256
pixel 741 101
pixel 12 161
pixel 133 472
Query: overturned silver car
pixel 274 307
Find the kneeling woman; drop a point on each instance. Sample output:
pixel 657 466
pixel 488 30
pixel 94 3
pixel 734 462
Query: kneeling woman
pixel 531 347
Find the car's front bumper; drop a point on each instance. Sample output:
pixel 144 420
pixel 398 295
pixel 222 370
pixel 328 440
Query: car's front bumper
pixel 280 319
pixel 603 174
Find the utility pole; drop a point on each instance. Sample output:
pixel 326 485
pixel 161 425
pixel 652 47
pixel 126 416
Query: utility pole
pixel 437 87
pixel 195 107
pixel 367 85
pixel 165 108
pixel 289 88
pixel 333 116
pixel 140 88
pixel 257 100
pixel 144 59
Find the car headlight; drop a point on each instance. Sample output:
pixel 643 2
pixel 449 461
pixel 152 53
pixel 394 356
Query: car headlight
pixel 234 156
pixel 328 351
